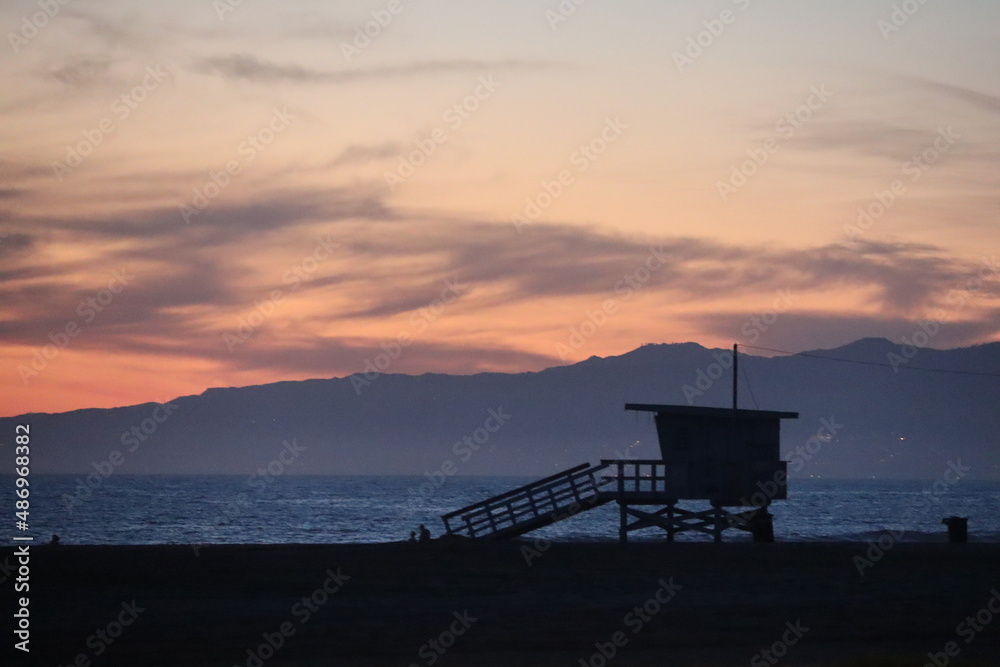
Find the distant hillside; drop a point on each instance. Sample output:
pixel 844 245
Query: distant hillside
pixel 905 424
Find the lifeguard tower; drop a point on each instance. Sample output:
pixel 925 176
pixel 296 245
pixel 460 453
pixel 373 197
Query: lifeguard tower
pixel 728 457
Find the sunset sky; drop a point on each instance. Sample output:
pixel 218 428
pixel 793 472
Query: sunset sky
pixel 197 194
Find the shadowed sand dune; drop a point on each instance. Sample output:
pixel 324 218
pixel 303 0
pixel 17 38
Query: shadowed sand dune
pixel 484 604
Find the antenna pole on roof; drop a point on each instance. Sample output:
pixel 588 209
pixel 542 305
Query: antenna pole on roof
pixel 736 364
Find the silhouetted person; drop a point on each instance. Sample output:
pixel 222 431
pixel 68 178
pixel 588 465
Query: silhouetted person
pixel 54 541
pixel 413 536
pixel 425 535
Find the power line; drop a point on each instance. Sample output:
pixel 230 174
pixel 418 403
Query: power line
pixel 746 379
pixel 873 363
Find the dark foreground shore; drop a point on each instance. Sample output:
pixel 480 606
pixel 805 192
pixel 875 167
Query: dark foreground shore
pixel 484 604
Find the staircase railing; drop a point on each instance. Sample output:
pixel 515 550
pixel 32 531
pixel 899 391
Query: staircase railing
pixel 636 476
pixel 528 505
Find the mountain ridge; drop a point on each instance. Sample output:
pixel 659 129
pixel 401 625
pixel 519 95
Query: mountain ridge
pixel 903 424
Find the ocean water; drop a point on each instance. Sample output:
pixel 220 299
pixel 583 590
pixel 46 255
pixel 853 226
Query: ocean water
pixel 208 509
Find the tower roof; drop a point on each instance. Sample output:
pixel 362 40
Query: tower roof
pixel 717 413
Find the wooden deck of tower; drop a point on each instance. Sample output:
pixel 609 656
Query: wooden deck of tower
pixel 730 458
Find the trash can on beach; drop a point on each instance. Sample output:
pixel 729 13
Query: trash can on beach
pixel 958 529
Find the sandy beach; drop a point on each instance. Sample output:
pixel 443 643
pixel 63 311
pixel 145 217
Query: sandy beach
pixel 513 603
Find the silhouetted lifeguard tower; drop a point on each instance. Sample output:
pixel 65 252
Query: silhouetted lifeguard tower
pixel 728 457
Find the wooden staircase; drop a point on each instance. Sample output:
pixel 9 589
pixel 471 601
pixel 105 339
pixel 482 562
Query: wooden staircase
pixel 629 483
pixel 534 505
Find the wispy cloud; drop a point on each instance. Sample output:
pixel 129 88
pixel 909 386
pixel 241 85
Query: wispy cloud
pixel 863 136
pixel 360 153
pixel 84 71
pixel 248 67
pixel 115 31
pixel 983 101
pixel 195 280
